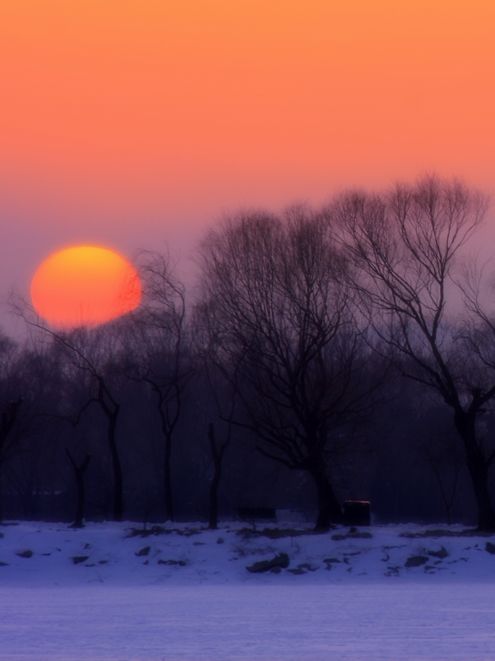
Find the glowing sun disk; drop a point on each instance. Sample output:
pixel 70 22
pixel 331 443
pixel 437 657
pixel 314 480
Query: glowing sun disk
pixel 84 286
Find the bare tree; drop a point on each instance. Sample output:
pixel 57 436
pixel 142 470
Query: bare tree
pixel 159 354
pixel 404 246
pixel 217 449
pixel 91 357
pixel 282 313
pixel 8 418
pixel 222 384
pixel 11 406
pixel 443 453
pixel 79 468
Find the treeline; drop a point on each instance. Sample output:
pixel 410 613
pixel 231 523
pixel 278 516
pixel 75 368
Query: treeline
pixel 340 353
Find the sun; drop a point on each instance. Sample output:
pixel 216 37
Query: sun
pixel 84 286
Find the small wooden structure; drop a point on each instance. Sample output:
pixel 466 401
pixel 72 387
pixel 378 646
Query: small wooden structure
pixel 356 512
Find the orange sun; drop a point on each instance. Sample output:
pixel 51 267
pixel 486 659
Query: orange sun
pixel 84 286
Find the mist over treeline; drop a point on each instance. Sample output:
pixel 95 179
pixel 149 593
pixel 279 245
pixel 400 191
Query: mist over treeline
pixel 333 354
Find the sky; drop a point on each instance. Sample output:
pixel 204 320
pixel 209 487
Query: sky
pixel 138 123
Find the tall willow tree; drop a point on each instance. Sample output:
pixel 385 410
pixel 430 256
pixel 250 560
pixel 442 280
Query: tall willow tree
pixel 275 293
pixel 404 246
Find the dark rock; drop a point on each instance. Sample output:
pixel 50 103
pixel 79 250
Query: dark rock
pixel 442 553
pixel 173 563
pixel 147 532
pixel 78 559
pixel 490 548
pixel 329 562
pixel 392 570
pixel 278 562
pixel 353 533
pixel 27 553
pixel 272 533
pixel 469 532
pixel 159 530
pixel 302 568
pixel 416 561
pixel 144 551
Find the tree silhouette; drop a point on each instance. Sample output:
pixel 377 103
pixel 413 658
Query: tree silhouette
pixel 404 245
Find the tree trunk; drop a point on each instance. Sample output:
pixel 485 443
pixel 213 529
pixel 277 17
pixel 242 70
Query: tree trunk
pixel 217 454
pixel 1 494
pixel 8 419
pixel 329 510
pixel 118 505
pixel 79 518
pixel 478 471
pixel 478 468
pixel 213 498
pixel 79 471
pixel 167 476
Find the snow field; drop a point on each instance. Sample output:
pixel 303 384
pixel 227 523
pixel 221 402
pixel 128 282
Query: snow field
pixel 52 554
pixel 186 595
pixel 351 622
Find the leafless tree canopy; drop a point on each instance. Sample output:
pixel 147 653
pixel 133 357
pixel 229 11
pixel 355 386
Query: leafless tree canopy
pixel 283 384
pixel 404 245
pixel 275 291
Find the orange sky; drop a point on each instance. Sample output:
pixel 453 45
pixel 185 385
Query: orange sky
pixel 132 121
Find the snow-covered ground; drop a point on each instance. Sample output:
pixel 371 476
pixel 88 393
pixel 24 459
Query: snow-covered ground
pixel 103 593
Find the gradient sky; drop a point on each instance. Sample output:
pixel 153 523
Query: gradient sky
pixel 134 123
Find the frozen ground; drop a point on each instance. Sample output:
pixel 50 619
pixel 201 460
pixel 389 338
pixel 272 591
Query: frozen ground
pixel 189 596
pixel 362 622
